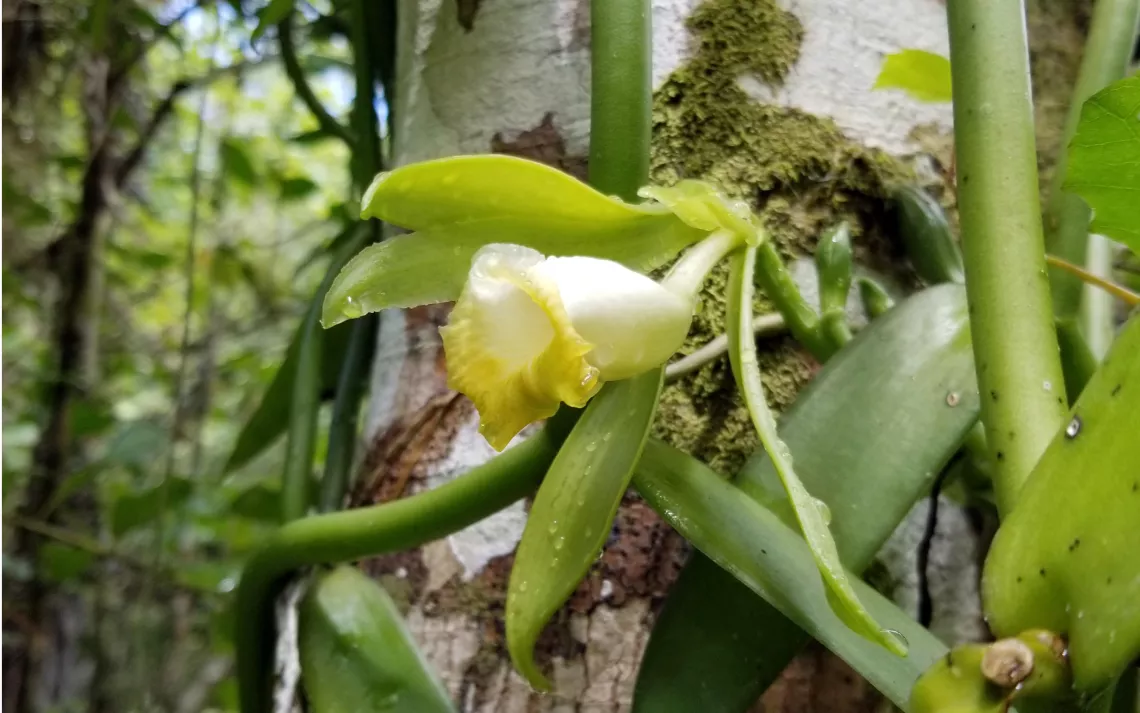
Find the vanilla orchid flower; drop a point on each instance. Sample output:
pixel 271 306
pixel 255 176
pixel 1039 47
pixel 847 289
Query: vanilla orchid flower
pixel 530 332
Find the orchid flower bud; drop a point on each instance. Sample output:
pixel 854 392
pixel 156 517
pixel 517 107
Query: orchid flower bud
pixel 531 332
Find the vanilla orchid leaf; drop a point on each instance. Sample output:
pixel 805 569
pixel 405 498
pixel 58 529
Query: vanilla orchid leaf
pixel 1104 161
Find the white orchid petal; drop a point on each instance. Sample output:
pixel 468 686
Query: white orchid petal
pixel 634 323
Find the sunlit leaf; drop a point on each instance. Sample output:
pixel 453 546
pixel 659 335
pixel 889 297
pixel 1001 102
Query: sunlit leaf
pixel 271 14
pixel 880 404
pixel 774 562
pixel 813 515
pixel 1104 161
pixel 921 74
pixel 574 509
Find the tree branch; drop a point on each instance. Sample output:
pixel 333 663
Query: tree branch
pixel 325 120
pixel 165 108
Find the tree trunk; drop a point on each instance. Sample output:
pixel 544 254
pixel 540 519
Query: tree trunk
pixel 774 105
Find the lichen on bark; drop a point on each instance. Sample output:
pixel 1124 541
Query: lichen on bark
pixel 798 170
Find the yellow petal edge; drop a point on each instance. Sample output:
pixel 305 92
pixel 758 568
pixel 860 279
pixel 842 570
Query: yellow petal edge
pixel 509 397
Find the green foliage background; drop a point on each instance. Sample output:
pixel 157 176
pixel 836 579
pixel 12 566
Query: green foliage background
pixel 269 198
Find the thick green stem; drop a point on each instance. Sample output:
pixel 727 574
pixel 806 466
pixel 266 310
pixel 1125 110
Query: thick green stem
pixel 1106 57
pixel 352 534
pixel 621 97
pixel 1011 318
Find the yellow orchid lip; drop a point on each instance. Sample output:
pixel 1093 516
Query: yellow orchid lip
pixel 511 347
pixel 531 332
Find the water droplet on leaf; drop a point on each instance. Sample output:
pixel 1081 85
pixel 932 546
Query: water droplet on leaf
pixel 352 309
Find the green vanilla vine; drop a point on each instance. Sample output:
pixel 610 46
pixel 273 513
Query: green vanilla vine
pixel 1107 54
pixel 1011 317
pixel 353 534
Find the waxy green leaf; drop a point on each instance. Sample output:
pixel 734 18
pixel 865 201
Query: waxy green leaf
pixel 882 407
pixel 1066 558
pixel 1104 161
pixel 458 205
pixel 921 74
pixel 811 514
pixel 773 560
pixel 357 655
pixel 574 509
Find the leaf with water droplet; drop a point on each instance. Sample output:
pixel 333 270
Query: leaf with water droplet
pixel 812 518
pixel 577 500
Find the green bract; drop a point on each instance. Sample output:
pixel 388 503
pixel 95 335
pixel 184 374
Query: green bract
pixel 356 654
pixel 1066 557
pixel 921 74
pixel 457 205
pixel 1104 161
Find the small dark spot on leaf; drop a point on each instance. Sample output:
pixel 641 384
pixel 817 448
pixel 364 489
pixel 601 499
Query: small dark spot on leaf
pixel 1019 580
pixel 1000 455
pixel 993 395
pixel 1116 389
pixel 1060 400
pixel 1041 572
pixel 1074 544
pixel 1108 580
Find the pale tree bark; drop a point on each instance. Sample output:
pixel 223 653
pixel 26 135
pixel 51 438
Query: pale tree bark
pixel 477 76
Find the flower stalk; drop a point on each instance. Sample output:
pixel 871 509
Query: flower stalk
pixel 1011 319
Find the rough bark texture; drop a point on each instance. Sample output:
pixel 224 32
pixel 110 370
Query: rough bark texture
pixel 774 104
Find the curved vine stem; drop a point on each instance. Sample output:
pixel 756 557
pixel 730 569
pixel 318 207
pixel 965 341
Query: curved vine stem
pixel 352 534
pixel 305 93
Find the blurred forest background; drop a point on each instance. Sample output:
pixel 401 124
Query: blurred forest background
pixel 169 205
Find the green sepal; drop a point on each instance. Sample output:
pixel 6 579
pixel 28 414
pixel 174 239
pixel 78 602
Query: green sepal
pixel 357 655
pixel 1066 558
pixel 574 509
pixel 457 205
